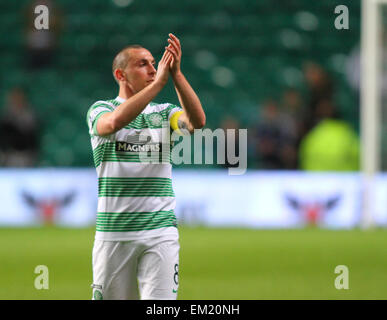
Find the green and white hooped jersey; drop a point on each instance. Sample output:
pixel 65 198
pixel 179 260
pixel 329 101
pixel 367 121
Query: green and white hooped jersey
pixel 135 194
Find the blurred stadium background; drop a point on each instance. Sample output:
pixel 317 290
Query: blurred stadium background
pixel 280 69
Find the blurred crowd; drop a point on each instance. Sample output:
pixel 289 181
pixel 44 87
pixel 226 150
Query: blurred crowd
pixel 19 131
pixel 41 44
pixel 304 131
pixel 296 132
pixel 19 125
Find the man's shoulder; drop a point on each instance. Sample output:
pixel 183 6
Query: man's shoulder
pixel 98 107
pixel 102 104
pixel 111 103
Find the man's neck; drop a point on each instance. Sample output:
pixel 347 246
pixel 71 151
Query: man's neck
pixel 125 92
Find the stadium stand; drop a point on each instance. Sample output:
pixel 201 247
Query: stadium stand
pixel 235 53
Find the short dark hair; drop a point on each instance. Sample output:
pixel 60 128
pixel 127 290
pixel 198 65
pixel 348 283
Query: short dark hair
pixel 121 59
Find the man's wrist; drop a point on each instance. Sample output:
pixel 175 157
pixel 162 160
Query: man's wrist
pixel 158 84
pixel 177 75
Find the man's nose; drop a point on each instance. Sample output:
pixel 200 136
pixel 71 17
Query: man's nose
pixel 152 69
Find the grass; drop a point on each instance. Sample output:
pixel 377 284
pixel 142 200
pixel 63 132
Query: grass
pixel 214 263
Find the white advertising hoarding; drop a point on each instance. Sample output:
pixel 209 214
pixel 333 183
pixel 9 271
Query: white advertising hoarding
pixel 257 199
pixel 380 200
pixel 268 199
pixel 66 197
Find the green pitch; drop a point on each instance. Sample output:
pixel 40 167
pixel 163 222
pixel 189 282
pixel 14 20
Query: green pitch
pixel 214 263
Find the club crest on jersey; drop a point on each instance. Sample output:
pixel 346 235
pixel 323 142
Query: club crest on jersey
pixel 155 119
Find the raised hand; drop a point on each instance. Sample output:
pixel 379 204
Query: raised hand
pixel 174 48
pixel 163 68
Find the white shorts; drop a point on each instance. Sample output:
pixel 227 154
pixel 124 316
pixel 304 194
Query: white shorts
pixel 130 270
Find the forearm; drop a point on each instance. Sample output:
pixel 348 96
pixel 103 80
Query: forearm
pixel 189 101
pixel 131 108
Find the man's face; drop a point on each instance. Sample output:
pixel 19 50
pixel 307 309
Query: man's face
pixel 140 71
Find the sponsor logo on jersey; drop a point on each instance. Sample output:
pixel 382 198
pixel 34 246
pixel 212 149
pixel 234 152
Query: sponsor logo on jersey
pixel 135 147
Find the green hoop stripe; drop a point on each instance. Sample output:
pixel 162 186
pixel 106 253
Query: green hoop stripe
pixel 135 187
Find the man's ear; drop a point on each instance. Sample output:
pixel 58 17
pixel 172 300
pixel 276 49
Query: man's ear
pixel 119 74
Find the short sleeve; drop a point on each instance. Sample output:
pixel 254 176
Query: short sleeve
pixel 94 113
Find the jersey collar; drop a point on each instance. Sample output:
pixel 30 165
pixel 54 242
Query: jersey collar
pixel 119 99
